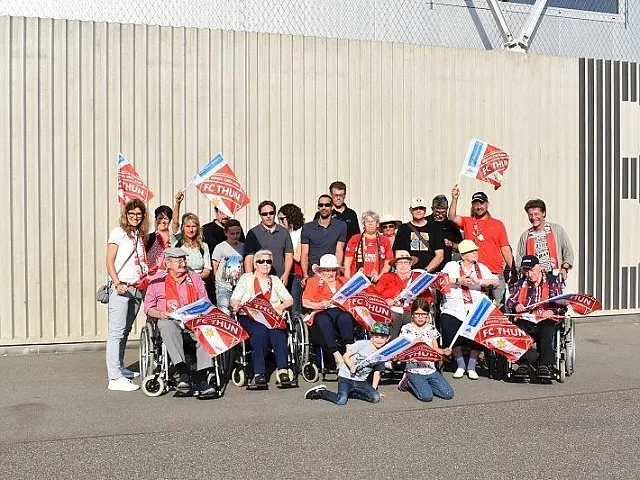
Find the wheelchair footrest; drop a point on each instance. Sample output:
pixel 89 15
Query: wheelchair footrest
pixel 253 386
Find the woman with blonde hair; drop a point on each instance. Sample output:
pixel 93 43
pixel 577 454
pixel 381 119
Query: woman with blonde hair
pixel 127 267
pixel 190 239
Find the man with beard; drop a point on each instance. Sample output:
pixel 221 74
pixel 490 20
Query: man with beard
pixel 547 241
pixel 323 235
pixel 448 230
pixel 421 238
pixel 488 234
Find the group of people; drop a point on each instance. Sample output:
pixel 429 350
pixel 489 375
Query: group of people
pixel 299 265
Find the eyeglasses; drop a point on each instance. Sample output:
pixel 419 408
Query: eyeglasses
pixel 179 261
pixel 134 215
pixel 262 261
pixel 282 219
pixel 267 214
pixel 338 195
pixel 325 205
pixel 390 225
pixel 420 315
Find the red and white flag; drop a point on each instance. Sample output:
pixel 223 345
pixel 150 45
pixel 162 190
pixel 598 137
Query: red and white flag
pixel 581 303
pixel 216 331
pixel 260 310
pixel 367 309
pixel 485 162
pixel 219 184
pixel 130 185
pixel 419 352
pixel 487 326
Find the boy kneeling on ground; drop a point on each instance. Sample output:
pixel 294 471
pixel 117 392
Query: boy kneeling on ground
pixel 352 381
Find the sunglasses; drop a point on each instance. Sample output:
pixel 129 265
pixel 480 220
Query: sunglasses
pixel 267 214
pixel 325 205
pixel 389 225
pixel 282 219
pixel 264 260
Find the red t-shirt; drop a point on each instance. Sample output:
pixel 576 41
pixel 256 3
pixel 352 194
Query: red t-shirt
pixel 372 254
pixel 490 235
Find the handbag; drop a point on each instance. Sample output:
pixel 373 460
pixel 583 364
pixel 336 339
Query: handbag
pixel 102 295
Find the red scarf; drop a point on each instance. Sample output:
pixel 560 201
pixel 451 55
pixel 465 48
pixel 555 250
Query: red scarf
pixel 172 295
pixel 541 294
pixel 257 288
pixel 466 293
pixel 551 245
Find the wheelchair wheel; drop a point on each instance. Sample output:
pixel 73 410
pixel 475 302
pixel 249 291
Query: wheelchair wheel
pixel 300 342
pixel 310 372
pixel 238 377
pixel 145 361
pixel 562 371
pixel 570 345
pixel 153 385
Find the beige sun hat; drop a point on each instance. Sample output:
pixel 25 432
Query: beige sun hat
pixel 466 246
pixel 386 218
pixel 327 262
pixel 402 255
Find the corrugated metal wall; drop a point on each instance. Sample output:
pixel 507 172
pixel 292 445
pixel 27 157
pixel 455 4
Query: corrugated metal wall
pixel 291 114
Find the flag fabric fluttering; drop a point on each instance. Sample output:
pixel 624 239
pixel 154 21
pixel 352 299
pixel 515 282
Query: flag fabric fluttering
pixel 485 162
pixel 130 184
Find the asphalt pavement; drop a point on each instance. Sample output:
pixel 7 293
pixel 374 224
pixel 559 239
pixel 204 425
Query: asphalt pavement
pixel 59 421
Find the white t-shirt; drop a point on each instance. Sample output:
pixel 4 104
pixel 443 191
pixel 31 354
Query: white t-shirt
pixel 452 303
pixel 295 237
pixel 196 260
pixel 230 266
pixel 126 245
pixel 427 333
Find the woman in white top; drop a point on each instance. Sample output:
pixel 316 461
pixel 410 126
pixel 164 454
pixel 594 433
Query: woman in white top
pixel 260 282
pixel 422 378
pixel 190 239
pixel 291 217
pixel 126 263
pixel 469 280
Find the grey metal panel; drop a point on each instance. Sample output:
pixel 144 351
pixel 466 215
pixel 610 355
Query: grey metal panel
pixel 633 174
pixel 633 78
pixel 589 263
pixel 582 168
pixel 625 81
pixel 625 177
pixel 616 186
pixel 608 200
pixel 633 287
pixel 624 290
pixel 598 239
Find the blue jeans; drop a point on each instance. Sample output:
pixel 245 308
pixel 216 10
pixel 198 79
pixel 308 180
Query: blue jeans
pixel 122 311
pixel 295 288
pixel 223 295
pixel 352 388
pixel 424 387
pixel 498 293
pixel 332 324
pixel 260 337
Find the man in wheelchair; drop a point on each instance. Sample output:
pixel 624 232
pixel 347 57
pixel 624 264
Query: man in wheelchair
pixel 534 286
pixel 167 292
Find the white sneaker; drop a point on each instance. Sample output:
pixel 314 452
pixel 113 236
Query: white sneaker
pixel 459 373
pixel 129 373
pixel 472 374
pixel 122 384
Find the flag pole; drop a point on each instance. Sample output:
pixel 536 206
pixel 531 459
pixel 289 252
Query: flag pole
pixel 455 338
pixel 187 186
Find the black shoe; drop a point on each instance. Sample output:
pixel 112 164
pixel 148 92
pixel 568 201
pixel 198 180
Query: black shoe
pixel 260 380
pixel 544 372
pixel 315 393
pixel 522 372
pixel 206 389
pixel 184 382
pixel 283 378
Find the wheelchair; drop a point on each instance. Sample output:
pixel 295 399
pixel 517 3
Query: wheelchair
pixel 156 369
pixel 565 355
pixel 297 353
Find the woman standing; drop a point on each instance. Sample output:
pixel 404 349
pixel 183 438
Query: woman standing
pixel 227 263
pixel 291 217
pixel 388 226
pixel 368 250
pixel 160 240
pixel 260 282
pixel 469 279
pixel 127 267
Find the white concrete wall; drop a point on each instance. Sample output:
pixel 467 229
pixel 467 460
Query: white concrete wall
pixel 291 114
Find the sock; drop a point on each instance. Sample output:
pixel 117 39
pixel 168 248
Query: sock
pixel 460 361
pixel 472 364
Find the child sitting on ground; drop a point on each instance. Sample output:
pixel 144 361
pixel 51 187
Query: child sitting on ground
pixel 352 379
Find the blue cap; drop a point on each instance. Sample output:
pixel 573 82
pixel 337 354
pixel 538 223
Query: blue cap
pixel 379 329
